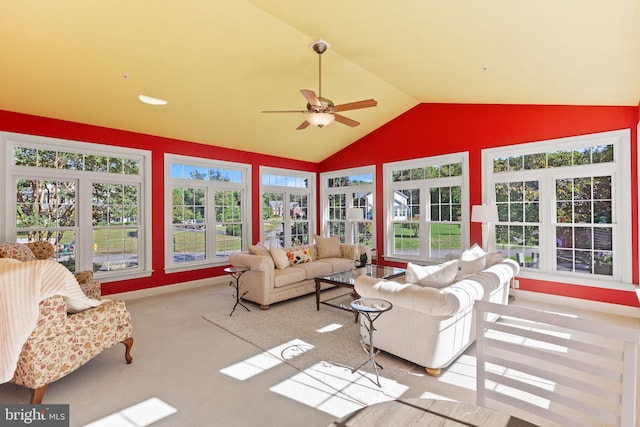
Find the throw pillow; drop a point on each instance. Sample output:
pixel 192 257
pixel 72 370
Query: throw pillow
pixel 279 257
pixel 16 251
pixel 472 261
pixel 328 247
pixel 435 276
pixel 259 249
pixel 492 258
pixel 299 256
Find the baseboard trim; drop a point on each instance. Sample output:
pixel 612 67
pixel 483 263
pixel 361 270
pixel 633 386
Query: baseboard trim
pixel 177 287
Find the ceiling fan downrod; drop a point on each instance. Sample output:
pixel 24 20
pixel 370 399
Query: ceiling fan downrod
pixel 319 47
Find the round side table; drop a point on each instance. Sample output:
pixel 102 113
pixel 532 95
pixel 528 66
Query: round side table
pixel 236 273
pixel 371 309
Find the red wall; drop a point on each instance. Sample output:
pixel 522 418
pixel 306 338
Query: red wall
pixel 433 129
pixel 425 130
pixel 21 123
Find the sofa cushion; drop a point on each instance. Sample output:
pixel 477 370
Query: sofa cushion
pixel 328 247
pixel 288 276
pixel 279 257
pixel 299 256
pixel 339 264
pixel 472 261
pixel 16 251
pixel 314 269
pixel 435 276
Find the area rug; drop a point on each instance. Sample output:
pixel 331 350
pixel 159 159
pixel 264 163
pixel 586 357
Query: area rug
pixel 331 334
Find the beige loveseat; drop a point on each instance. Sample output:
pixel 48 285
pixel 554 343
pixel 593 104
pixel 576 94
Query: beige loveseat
pixel 279 274
pixel 432 326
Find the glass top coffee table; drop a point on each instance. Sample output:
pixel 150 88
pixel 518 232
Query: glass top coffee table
pixel 347 279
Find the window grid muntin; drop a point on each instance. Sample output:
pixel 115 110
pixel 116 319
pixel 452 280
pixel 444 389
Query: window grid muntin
pixel 115 226
pixel 29 156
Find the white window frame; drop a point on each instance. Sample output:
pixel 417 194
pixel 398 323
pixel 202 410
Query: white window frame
pixel 310 191
pixel 620 171
pixel 390 187
pixel 326 191
pixel 210 187
pixel 84 261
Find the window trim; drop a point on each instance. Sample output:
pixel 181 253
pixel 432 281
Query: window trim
pixel 9 232
pixel 244 187
pixel 389 187
pixel 311 190
pixel 621 139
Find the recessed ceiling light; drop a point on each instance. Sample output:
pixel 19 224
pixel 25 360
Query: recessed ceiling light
pixel 151 100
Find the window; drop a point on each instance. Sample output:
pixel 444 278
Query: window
pixel 562 205
pixel 88 200
pixel 426 203
pixel 287 210
pixel 210 207
pixel 345 189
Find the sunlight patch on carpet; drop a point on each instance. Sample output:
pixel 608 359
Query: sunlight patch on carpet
pixel 264 361
pixel 336 390
pixel 139 415
pixel 330 328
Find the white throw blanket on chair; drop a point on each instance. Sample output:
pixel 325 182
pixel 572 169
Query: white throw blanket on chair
pixel 22 286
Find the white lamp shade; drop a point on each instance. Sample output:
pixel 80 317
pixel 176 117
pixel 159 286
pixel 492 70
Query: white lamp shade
pixel 484 213
pixel 320 119
pixel 355 214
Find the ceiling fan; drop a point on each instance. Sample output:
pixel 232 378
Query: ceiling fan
pixel 321 111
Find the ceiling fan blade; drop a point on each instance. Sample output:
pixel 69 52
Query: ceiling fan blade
pixel 303 125
pixel 285 111
pixel 311 97
pixel 356 105
pixel 346 121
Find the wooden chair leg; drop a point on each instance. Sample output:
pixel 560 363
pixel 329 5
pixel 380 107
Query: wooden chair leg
pixel 37 394
pixel 128 343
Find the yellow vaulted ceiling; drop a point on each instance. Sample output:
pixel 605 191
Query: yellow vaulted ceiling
pixel 220 63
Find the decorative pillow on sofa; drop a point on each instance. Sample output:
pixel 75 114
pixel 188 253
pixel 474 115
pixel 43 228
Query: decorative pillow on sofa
pixel 259 249
pixel 492 258
pixel 434 276
pixel 279 257
pixel 472 260
pixel 328 247
pixel 299 256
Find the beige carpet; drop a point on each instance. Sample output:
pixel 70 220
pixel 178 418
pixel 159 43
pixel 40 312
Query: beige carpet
pixel 329 335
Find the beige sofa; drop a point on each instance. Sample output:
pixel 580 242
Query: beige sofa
pixel 432 326
pixel 271 279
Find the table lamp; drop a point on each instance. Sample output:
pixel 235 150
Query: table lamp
pixel 486 214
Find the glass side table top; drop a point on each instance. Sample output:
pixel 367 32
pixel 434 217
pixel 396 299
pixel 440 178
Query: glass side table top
pixel 349 277
pixel 371 305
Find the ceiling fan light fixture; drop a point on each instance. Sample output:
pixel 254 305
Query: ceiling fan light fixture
pixel 320 119
pixel 151 100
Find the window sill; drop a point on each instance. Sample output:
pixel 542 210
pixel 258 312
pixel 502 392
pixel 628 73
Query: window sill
pixel 195 266
pixel 125 275
pixel 577 280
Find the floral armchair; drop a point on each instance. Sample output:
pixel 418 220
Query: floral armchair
pixel 62 341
